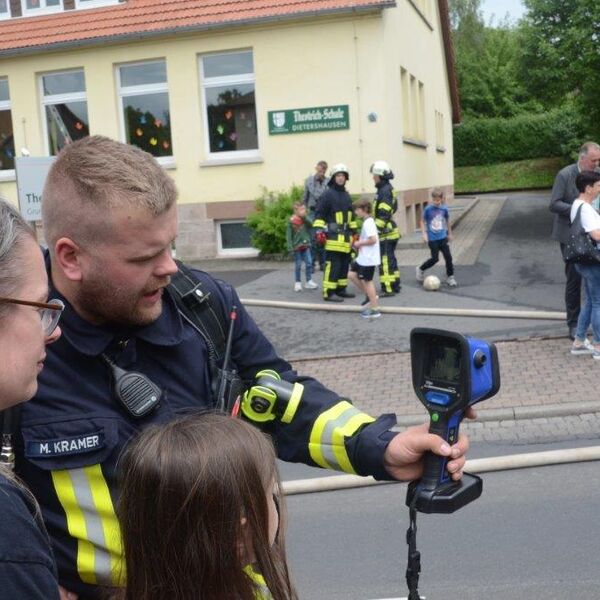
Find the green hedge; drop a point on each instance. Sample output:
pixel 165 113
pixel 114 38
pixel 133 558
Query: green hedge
pixel 269 220
pixel 488 141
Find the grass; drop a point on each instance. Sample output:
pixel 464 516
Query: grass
pixel 519 175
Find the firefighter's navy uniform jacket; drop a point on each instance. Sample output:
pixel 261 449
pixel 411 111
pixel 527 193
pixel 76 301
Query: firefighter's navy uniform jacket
pixel 73 430
pixel 384 209
pixel 334 214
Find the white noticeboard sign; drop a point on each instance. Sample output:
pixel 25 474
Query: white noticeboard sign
pixel 31 176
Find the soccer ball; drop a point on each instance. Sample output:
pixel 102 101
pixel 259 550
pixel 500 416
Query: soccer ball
pixel 432 283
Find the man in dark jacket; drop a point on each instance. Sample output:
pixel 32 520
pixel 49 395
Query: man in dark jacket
pixel 314 187
pixel 110 217
pixel 564 193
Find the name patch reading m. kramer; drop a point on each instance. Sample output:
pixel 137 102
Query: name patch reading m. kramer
pixel 76 444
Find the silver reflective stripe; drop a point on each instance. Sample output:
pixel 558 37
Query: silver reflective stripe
pixel 93 524
pixel 327 437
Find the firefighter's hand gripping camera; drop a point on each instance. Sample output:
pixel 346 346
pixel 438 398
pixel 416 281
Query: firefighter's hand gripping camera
pixel 450 373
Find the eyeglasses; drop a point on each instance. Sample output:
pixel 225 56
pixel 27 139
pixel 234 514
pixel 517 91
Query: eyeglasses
pixel 49 311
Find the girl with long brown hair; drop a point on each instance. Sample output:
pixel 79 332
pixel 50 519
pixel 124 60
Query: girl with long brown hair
pixel 200 513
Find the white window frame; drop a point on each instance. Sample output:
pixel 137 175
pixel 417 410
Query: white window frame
pixel 79 5
pixel 247 251
pixel 42 10
pixel 168 162
pixel 57 99
pixel 5 15
pixel 232 156
pixel 7 174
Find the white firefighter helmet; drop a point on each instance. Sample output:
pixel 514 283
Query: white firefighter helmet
pixel 381 168
pixel 432 283
pixel 339 168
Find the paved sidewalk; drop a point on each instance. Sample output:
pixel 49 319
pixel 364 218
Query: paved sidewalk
pixel 546 394
pixel 380 383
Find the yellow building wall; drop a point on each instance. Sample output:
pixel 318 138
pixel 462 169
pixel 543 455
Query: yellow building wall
pixel 344 60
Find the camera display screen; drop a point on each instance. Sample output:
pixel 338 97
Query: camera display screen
pixel 443 362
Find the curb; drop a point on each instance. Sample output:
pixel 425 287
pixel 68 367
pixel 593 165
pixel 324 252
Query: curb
pixel 518 413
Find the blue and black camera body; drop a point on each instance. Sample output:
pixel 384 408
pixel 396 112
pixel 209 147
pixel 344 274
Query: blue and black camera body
pixel 450 373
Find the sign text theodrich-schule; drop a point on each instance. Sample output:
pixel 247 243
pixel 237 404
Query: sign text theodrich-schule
pixel 303 120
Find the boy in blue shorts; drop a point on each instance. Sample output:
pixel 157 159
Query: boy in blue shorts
pixel 437 232
pixel 369 257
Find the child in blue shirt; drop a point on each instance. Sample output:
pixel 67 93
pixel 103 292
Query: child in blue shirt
pixel 437 232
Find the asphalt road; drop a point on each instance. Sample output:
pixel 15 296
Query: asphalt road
pixel 519 267
pixel 532 534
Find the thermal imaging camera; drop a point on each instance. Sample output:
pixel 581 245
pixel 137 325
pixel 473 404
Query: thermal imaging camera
pixel 450 373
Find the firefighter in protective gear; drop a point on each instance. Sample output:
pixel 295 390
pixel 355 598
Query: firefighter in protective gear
pixel 335 217
pixel 74 430
pixel 384 209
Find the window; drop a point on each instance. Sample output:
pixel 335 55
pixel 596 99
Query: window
pixel 40 7
pixel 145 114
pixel 7 142
pixel 4 9
pixel 64 103
pixel 94 3
pixel 413 108
pixel 234 237
pixel 228 90
pixel 440 137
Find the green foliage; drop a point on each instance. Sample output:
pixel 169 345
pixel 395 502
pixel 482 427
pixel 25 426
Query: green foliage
pixel 536 173
pixel 486 141
pixel 487 64
pixel 269 220
pixel 561 58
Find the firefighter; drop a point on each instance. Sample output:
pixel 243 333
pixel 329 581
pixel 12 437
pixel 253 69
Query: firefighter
pixel 335 217
pixel 109 221
pixel 384 210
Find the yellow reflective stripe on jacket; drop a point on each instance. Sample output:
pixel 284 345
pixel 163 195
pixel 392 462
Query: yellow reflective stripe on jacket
pixel 384 206
pixel 91 520
pixel 326 443
pixel 293 403
pixel 337 246
pixel 261 592
pixel 380 223
pixel 319 224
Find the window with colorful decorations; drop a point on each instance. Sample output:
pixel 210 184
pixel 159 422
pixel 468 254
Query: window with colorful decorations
pixel 146 117
pixel 64 103
pixel 228 85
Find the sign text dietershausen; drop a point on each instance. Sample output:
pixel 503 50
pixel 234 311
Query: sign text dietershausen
pixel 306 120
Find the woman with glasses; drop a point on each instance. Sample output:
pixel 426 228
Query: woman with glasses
pixel 28 322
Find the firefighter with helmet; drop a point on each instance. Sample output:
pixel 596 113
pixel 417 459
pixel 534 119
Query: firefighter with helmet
pixel 335 225
pixel 383 210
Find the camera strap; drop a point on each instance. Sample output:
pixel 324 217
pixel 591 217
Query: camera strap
pixel 205 314
pixel 413 568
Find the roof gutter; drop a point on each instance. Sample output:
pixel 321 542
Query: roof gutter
pixel 144 35
pixel 450 60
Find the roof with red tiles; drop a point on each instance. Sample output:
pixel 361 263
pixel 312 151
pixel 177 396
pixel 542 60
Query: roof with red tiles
pixel 146 18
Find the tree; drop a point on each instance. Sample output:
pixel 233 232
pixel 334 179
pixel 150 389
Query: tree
pixel 561 55
pixel 487 64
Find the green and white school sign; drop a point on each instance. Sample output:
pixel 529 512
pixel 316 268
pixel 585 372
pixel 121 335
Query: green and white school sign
pixel 307 120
